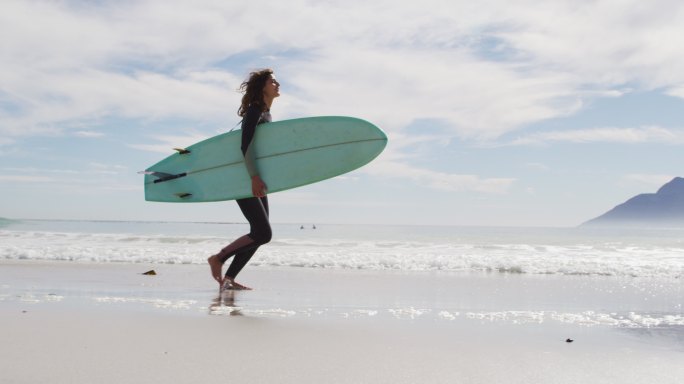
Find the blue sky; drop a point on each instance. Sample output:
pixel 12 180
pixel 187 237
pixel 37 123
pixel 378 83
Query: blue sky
pixel 498 112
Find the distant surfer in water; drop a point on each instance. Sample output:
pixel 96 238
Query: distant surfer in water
pixel 260 89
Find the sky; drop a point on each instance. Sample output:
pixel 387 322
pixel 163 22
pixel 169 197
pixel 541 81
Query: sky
pixel 498 112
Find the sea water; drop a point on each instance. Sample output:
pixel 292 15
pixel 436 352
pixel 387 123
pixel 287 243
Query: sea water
pixel 652 253
pixel 626 278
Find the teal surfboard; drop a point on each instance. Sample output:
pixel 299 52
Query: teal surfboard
pixel 290 153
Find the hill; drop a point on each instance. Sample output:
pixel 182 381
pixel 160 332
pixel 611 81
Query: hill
pixel 663 208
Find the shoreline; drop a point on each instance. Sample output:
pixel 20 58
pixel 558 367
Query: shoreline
pixel 142 347
pixel 517 298
pixel 107 323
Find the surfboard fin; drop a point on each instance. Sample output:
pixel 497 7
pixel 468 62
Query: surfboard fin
pixel 156 174
pixel 166 177
pixel 182 151
pixel 163 176
pixel 183 195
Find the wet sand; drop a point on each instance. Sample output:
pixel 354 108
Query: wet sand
pixel 107 323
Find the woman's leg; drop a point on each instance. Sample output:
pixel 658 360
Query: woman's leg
pixel 255 211
pixel 216 261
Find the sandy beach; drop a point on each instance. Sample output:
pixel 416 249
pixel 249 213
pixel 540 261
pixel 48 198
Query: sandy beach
pixel 107 323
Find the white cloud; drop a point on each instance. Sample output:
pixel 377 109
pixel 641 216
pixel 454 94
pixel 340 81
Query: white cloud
pixel 52 173
pixel 441 181
pixel 396 162
pixel 483 68
pixel 486 68
pixel 88 134
pixel 537 167
pixel 4 141
pixel 604 135
pixel 676 91
pixel 396 87
pixel 618 41
pixel 166 143
pixel 94 94
pixel 106 169
pixel 46 171
pixel 26 179
pixel 649 180
pixel 92 177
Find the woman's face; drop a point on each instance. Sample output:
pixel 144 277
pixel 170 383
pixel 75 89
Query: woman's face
pixel 272 88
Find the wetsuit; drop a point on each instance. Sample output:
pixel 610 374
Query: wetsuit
pixel 255 209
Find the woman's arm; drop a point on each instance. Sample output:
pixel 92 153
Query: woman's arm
pixel 249 124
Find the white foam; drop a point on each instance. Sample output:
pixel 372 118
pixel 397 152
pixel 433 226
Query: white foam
pixel 408 313
pixel 155 302
pixel 518 253
pixel 40 298
pixel 277 312
pixel 224 310
pixel 585 318
pixel 446 315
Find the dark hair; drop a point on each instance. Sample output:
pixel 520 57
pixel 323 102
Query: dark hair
pixel 253 89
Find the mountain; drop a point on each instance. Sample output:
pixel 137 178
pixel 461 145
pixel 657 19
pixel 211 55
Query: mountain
pixel 665 207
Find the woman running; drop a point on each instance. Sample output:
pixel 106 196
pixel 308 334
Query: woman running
pixel 259 92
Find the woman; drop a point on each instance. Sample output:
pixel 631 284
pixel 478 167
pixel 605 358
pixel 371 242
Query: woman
pixel 259 92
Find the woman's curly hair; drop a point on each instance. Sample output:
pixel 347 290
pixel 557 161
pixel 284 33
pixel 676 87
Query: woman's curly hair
pixel 253 89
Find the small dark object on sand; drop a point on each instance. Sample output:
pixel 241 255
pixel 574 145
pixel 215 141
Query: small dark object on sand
pixel 151 272
pixel 569 340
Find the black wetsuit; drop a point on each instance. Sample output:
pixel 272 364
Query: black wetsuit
pixel 255 209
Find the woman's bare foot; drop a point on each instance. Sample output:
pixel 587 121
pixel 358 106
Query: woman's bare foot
pixel 216 266
pixel 232 285
pixel 241 287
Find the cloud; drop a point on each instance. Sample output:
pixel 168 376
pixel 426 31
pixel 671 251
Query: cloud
pixel 93 94
pixel 403 149
pixel 88 134
pixel 396 87
pixel 486 68
pixel 91 177
pixel 650 180
pixel 89 169
pixel 106 169
pixel 676 91
pixel 33 170
pixel 5 141
pixel 441 181
pixel 604 135
pixel 26 179
pixel 537 167
pixel 166 143
pixel 618 42
pixel 482 69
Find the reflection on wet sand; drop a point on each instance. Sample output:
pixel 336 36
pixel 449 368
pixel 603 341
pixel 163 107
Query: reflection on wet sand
pixel 224 304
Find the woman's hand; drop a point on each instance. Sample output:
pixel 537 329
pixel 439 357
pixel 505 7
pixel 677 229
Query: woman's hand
pixel 258 187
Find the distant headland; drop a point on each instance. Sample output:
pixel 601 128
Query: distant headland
pixel 663 208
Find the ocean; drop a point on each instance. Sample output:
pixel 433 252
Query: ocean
pixel 639 253
pixel 624 278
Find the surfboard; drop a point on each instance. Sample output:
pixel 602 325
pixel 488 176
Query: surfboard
pixel 289 154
